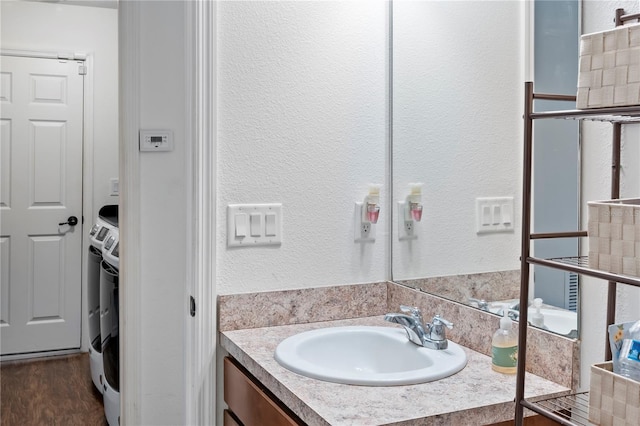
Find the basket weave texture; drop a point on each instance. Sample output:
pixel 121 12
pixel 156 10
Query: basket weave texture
pixel 614 236
pixel 609 70
pixel 613 399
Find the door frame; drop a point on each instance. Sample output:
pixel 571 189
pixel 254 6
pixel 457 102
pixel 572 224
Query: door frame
pixel 87 182
pixel 200 131
pixel 200 140
pixel 129 211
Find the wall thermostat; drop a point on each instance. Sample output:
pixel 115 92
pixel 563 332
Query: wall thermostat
pixel 156 140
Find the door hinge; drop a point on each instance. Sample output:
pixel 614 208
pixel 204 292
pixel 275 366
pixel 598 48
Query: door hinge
pixel 192 307
pixel 82 70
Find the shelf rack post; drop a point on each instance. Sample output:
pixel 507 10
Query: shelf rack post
pixel 525 246
pixel 571 409
pixel 615 194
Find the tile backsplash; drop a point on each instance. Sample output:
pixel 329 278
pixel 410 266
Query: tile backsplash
pixel 254 310
pixel 498 285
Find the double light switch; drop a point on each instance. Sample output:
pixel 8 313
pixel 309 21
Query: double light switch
pixel 254 224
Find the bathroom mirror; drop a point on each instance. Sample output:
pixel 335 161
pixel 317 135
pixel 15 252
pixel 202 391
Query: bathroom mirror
pixel 458 72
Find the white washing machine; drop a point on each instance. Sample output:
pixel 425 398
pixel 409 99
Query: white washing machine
pixel 106 221
pixel 109 327
pixel 93 290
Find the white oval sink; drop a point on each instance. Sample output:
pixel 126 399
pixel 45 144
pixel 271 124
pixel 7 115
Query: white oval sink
pixel 362 355
pixel 558 320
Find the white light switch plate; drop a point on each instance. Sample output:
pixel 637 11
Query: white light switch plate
pixel 250 225
pixel 114 185
pixel 494 214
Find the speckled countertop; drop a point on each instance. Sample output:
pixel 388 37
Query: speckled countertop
pixel 475 396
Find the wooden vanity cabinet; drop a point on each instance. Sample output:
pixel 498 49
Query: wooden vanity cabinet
pixel 530 421
pixel 250 403
pixel 230 419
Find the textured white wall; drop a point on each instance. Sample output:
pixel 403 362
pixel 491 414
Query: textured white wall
pixel 50 27
pixel 596 178
pixel 302 121
pixel 458 84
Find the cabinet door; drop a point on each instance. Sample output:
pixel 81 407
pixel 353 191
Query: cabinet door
pixel 229 420
pixel 530 421
pixel 249 401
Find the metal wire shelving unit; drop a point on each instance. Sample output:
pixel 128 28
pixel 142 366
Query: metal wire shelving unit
pixel 569 409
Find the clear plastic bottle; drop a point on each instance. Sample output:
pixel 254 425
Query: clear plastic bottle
pixel 504 346
pixel 629 358
pixel 536 318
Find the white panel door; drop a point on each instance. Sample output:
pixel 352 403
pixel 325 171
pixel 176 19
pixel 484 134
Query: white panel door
pixel 41 102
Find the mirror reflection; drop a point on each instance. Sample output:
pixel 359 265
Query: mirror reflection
pixel 457 100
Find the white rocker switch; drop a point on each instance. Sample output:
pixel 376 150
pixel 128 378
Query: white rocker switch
pixel 255 224
pixel 270 224
pixel 241 225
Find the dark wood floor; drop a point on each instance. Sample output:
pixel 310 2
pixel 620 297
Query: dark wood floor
pixel 49 391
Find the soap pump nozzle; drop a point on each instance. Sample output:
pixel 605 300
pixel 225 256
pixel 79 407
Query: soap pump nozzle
pixel 537 319
pixel 505 322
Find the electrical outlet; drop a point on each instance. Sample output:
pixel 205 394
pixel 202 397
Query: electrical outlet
pixel 406 228
pixel 366 228
pixel 364 232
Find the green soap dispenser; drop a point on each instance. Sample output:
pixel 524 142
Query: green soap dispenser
pixel 504 346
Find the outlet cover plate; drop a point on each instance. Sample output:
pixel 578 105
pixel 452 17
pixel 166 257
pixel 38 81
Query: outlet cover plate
pixel 363 232
pixel 114 185
pixel 403 233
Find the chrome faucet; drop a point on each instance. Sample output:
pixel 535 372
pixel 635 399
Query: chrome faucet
pixel 481 303
pixel 430 335
pixel 412 323
pixel 513 312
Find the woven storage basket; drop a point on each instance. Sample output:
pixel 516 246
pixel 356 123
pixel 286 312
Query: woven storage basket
pixel 614 236
pixel 609 71
pixel 613 399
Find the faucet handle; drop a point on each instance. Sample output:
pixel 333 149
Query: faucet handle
pixel 414 312
pixel 409 309
pixel 437 332
pixel 482 303
pixel 438 320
